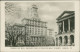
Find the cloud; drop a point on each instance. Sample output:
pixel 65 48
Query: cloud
pixel 49 8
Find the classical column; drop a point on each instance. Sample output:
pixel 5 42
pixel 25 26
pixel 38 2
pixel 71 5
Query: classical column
pixel 63 40
pixel 63 26
pixel 68 40
pixel 68 25
pixel 58 28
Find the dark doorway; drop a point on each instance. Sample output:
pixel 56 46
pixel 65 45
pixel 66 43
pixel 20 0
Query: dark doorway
pixel 66 40
pixel 72 39
pixel 60 38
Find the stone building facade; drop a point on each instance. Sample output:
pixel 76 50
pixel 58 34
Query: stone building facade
pixel 66 28
pixel 31 32
pixel 49 32
pixel 36 29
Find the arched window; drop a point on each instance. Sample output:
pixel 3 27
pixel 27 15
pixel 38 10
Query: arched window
pixel 66 40
pixel 72 39
pixel 60 38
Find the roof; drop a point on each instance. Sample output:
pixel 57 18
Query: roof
pixel 65 13
pixel 34 6
pixel 50 29
pixel 37 35
pixel 32 20
pixel 21 25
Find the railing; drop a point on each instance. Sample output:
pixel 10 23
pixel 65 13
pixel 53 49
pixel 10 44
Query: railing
pixel 66 32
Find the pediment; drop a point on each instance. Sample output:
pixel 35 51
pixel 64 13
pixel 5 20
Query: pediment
pixel 65 13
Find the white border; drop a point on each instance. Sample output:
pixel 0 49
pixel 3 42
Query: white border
pixel 40 49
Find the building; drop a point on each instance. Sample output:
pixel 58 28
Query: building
pixel 66 27
pixel 35 28
pixel 50 38
pixel 31 32
pixel 49 32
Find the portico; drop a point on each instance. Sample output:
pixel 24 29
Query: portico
pixel 66 28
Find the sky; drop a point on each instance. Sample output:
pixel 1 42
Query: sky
pixel 47 11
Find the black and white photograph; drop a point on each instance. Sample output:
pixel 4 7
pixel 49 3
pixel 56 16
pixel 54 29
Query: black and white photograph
pixel 32 24
pixel 39 26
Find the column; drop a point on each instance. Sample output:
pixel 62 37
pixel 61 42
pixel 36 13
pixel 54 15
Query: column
pixel 68 25
pixel 63 26
pixel 63 40
pixel 58 28
pixel 68 40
